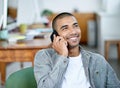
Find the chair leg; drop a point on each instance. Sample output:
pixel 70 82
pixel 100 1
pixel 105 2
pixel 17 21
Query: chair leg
pixel 119 51
pixel 32 63
pixel 21 64
pixel 106 50
pixel 3 72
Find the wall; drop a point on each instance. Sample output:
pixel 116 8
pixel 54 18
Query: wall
pixel 1 8
pixel 108 29
pixel 70 5
pixel 27 13
pixel 111 6
pixel 13 3
pixel 108 25
pixel 66 5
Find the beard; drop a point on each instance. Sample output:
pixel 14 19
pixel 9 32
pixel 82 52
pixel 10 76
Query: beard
pixel 71 47
pixel 73 40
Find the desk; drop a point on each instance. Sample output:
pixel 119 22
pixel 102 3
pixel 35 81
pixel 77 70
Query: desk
pixel 22 52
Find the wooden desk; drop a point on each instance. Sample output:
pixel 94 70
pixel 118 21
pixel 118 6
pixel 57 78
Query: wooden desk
pixel 23 52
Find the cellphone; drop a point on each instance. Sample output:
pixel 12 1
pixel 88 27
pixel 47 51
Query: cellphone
pixel 52 35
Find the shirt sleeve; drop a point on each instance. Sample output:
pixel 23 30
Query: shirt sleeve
pixel 112 79
pixel 48 73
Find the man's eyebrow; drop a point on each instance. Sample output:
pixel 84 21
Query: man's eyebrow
pixel 75 23
pixel 63 26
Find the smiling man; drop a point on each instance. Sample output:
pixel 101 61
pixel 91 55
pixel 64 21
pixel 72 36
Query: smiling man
pixel 67 65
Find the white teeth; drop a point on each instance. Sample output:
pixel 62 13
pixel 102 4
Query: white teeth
pixel 74 38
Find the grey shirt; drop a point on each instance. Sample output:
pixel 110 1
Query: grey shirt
pixel 50 67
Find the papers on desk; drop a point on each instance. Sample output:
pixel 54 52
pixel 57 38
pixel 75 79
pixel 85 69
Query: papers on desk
pixel 37 33
pixel 30 35
pixel 40 30
pixel 14 37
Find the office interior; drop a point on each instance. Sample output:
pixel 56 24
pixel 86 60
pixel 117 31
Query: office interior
pixel 99 21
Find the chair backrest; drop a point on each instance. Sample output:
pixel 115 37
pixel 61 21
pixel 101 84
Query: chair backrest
pixel 23 78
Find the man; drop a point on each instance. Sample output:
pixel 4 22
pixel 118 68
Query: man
pixel 67 65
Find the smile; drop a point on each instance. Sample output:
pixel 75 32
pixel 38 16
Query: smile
pixel 73 38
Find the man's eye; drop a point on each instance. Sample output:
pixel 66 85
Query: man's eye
pixel 76 25
pixel 64 28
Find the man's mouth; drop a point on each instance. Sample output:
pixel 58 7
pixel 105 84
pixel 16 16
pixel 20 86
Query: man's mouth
pixel 73 38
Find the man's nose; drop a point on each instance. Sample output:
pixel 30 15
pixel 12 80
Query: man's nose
pixel 72 30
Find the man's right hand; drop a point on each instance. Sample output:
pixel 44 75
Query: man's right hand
pixel 60 45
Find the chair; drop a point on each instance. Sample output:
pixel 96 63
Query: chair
pixel 107 46
pixel 23 78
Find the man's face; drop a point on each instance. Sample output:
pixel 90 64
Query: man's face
pixel 69 29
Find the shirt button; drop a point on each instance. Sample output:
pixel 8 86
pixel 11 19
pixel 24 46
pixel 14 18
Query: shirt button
pixel 65 61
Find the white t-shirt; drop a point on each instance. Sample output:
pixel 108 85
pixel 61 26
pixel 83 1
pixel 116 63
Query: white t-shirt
pixel 75 74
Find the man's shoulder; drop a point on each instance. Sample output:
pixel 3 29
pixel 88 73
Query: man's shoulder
pixel 93 55
pixel 44 54
pixel 90 52
pixel 46 51
pixel 95 59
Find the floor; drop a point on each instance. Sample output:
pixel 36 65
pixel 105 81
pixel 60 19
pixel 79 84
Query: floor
pixel 16 66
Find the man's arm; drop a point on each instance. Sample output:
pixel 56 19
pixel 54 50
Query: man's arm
pixel 49 73
pixel 112 80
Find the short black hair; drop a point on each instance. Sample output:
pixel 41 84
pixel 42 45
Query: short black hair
pixel 59 16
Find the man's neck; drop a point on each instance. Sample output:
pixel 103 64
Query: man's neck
pixel 74 51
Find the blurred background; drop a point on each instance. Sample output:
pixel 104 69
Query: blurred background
pixel 99 20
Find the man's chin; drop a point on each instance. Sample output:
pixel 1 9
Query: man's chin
pixel 70 46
